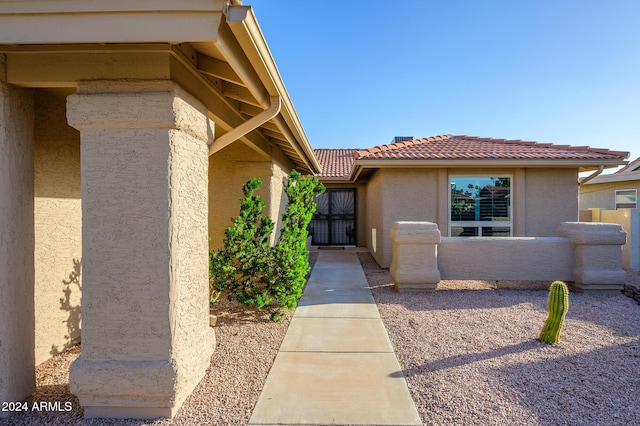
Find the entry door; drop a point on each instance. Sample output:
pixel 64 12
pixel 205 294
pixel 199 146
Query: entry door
pixel 334 222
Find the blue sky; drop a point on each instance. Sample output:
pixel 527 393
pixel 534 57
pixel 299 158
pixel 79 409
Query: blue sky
pixel 361 72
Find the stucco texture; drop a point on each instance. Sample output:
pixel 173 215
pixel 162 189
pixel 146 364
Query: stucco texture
pixel 603 195
pixel 542 198
pixel 17 363
pixel 229 169
pixel 551 198
pixel 146 336
pixel 58 228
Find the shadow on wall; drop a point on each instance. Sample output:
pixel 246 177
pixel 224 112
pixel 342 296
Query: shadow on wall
pixel 71 285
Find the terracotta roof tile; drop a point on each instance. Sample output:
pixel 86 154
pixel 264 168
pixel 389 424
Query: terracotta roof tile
pixel 336 163
pixel 447 147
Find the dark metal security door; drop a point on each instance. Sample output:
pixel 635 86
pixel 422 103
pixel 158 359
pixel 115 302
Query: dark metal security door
pixel 334 222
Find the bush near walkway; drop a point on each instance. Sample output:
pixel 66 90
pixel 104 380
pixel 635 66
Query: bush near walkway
pixel 255 273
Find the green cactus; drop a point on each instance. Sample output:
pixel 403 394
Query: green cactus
pixel 558 304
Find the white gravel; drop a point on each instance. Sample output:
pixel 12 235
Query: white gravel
pixel 470 356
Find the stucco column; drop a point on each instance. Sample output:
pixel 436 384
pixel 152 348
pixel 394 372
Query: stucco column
pixel 146 340
pixel 597 249
pixel 414 261
pixel 17 362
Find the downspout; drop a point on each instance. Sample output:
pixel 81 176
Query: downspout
pixel 591 176
pixel 246 127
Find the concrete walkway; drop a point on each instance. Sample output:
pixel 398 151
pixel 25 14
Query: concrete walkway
pixel 336 365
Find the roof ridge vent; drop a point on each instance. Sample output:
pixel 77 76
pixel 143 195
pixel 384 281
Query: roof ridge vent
pixel 397 139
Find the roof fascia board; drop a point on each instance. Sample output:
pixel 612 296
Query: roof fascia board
pixel 244 26
pixel 73 6
pixel 58 22
pixel 359 165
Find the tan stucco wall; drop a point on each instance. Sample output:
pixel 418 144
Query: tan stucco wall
pixel 17 361
pixel 505 258
pixel 551 198
pixel 229 169
pixel 58 228
pixel 399 194
pixel 542 199
pixel 375 209
pixel 602 195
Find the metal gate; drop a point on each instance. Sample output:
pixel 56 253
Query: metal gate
pixel 334 222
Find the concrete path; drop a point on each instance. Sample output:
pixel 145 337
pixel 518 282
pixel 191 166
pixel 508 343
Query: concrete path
pixel 336 365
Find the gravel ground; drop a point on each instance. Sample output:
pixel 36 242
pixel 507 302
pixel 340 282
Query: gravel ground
pixel 247 343
pixel 470 356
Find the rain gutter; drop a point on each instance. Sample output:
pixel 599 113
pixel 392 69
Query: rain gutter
pixel 591 176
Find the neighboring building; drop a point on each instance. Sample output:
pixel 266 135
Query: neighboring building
pixel 127 129
pixel 613 191
pixel 468 186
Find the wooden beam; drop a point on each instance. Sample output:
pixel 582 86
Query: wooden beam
pixel 239 93
pixel 217 69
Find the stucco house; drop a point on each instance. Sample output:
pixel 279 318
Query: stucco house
pixel 127 129
pixel 613 191
pixel 613 198
pixel 468 186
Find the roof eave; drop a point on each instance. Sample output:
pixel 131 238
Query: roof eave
pixel 582 165
pixel 245 27
pixel 615 177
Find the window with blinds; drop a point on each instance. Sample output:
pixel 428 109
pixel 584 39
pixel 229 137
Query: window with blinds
pixel 480 206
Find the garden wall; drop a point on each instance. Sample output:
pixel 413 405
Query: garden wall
pixel 588 255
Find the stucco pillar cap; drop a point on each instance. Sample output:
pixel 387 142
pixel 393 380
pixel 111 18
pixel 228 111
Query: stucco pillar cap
pixel 593 233
pixel 131 105
pixel 406 232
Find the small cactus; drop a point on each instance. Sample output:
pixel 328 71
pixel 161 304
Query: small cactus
pixel 558 304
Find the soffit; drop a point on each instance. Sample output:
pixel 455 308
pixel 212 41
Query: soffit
pixel 222 44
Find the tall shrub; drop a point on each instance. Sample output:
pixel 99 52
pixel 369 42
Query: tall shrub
pixel 290 254
pixel 256 273
pixel 242 266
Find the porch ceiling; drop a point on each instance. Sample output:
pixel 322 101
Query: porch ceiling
pixel 214 48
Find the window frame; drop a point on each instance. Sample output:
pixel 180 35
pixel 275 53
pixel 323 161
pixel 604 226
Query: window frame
pixel 615 198
pixel 480 224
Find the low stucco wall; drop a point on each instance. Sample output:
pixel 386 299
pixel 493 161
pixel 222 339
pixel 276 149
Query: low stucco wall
pixel 511 259
pixel 588 255
pixel 58 228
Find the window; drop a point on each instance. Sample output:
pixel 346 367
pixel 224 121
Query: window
pixel 626 199
pixel 480 206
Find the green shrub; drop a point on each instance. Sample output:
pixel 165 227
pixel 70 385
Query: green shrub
pixel 290 254
pixel 242 265
pixel 255 273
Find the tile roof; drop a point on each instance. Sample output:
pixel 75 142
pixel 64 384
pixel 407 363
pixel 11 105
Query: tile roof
pixel 447 147
pixel 335 163
pixel 338 163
